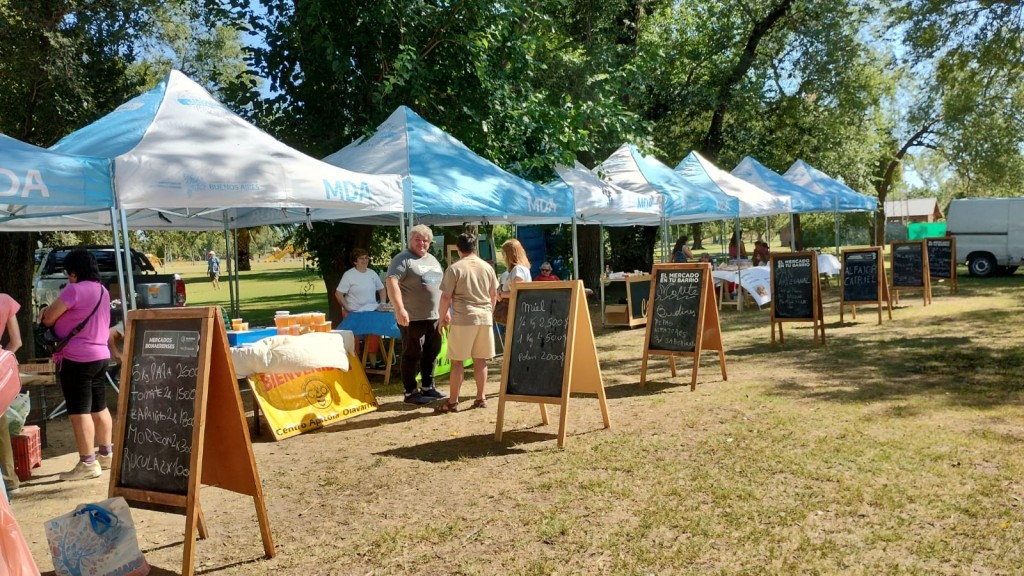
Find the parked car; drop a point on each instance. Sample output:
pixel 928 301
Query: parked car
pixel 152 290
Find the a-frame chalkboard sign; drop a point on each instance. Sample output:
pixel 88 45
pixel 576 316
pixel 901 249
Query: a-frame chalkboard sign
pixel 863 281
pixel 796 292
pixel 910 271
pixel 180 420
pixel 549 351
pixel 682 317
pixel 942 260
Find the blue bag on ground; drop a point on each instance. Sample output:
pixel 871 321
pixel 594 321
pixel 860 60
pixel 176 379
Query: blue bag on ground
pixel 96 540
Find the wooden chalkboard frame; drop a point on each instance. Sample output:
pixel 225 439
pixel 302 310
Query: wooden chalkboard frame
pixel 882 297
pixel 581 369
pixel 926 281
pixel 953 285
pixel 708 337
pixel 623 314
pixel 221 453
pixel 817 317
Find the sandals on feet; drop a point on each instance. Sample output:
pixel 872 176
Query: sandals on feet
pixel 447 407
pixel 480 403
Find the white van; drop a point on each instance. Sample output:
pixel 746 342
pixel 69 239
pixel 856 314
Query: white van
pixel 989 234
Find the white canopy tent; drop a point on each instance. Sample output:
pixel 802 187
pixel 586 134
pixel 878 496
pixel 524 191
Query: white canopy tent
pixel 183 161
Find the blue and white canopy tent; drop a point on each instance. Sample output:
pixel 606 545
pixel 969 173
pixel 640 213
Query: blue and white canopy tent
pixel 683 201
pixel 181 160
pixel 801 200
pixel 845 198
pixel 447 183
pixel 754 202
pixel 36 183
pixel 598 202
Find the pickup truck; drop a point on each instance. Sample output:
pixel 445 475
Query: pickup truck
pixel 152 290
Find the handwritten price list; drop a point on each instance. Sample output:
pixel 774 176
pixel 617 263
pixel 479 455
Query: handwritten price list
pixel 536 353
pixel 907 265
pixel 677 299
pixel 161 408
pixel 940 257
pixel 793 288
pixel 860 277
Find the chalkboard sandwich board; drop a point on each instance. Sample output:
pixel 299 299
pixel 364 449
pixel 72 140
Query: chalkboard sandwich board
pixel 942 259
pixel 796 292
pixel 863 281
pixel 549 350
pixel 624 300
pixel 181 420
pixel 682 317
pixel 910 269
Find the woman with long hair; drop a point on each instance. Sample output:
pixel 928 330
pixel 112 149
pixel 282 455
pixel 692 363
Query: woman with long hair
pixel 681 252
pixel 518 265
pixel 83 361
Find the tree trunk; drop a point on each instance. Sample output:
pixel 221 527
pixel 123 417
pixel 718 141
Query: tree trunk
pixel 245 249
pixel 17 262
pixel 588 245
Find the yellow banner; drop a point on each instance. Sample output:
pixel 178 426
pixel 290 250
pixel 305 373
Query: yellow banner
pixel 298 402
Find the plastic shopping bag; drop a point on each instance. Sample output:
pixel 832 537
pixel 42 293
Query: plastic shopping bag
pixel 96 539
pixel 17 413
pixel 17 559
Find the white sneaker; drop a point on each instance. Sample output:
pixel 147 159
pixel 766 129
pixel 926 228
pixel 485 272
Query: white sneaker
pixel 105 460
pixel 82 471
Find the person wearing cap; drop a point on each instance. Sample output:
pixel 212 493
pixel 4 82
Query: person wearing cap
pixel 213 268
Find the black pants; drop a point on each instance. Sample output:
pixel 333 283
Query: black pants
pixel 84 386
pixel 421 343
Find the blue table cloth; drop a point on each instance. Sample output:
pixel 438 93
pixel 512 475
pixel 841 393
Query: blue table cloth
pixel 376 323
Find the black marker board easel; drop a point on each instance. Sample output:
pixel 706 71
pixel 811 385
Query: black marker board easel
pixel 863 281
pixel 180 420
pixel 682 317
pixel 796 292
pixel 942 260
pixel 910 271
pixel 549 351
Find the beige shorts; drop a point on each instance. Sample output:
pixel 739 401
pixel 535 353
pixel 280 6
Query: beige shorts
pixel 465 342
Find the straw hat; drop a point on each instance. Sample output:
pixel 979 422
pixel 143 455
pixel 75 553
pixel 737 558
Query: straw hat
pixel 210 253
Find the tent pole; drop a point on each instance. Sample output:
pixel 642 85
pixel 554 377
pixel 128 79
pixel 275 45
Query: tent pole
pixel 235 276
pixel 129 276
pixel 232 309
pixel 604 276
pixel 114 228
pixel 575 252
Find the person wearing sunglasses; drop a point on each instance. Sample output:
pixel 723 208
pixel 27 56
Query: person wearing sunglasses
pixel 546 275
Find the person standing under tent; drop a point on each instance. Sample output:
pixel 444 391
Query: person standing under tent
pixel 518 265
pixel 9 325
pixel 736 248
pixel 83 361
pixel 213 269
pixel 413 284
pixel 469 290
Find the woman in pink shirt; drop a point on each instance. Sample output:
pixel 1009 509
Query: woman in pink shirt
pixel 83 361
pixel 9 325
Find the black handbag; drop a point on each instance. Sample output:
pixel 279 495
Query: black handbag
pixel 53 343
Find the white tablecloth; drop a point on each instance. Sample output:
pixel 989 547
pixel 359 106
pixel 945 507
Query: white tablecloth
pixel 828 265
pixel 756 280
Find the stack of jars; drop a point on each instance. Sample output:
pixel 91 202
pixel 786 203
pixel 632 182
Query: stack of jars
pixel 298 324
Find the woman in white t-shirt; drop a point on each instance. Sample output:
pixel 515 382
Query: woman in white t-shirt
pixel 518 266
pixel 360 287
